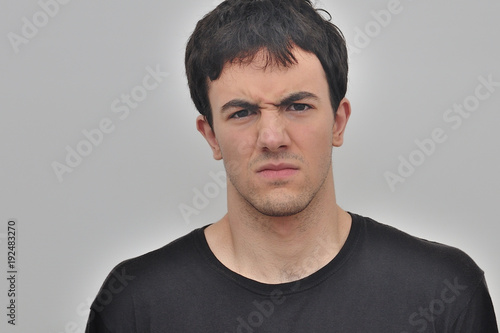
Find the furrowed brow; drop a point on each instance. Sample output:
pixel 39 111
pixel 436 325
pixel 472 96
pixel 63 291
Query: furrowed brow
pixel 240 104
pixel 243 104
pixel 297 97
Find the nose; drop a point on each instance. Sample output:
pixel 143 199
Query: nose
pixel 272 134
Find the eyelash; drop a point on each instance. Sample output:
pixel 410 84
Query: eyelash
pixel 234 115
pixel 306 107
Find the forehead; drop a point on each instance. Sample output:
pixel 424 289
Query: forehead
pixel 262 81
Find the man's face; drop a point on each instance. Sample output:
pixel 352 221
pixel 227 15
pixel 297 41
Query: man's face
pixel 274 128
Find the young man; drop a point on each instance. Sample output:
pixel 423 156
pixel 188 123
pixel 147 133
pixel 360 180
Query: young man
pixel 269 79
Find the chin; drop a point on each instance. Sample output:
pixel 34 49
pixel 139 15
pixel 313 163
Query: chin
pixel 282 208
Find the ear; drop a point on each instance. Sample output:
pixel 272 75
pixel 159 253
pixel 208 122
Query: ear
pixel 204 128
pixel 341 117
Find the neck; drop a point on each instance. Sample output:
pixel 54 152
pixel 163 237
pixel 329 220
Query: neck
pixel 280 249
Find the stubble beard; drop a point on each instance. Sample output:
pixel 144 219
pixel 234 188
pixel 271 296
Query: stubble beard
pixel 278 202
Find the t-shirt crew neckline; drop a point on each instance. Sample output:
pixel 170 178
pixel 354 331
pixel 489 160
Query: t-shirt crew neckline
pixel 303 284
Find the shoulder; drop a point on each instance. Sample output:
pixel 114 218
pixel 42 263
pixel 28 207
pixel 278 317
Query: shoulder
pixel 175 253
pixel 435 282
pixel 143 278
pixel 178 256
pixel 415 258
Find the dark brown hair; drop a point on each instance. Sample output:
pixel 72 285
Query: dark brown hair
pixel 237 29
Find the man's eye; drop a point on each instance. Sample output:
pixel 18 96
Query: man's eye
pixel 299 107
pixel 241 114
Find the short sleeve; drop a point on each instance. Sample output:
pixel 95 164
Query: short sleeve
pixel 95 324
pixel 479 315
pixel 113 309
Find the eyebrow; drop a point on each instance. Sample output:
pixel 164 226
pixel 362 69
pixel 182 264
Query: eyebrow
pixel 243 104
pixel 293 97
pixel 239 103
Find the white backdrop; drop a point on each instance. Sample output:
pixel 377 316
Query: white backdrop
pixel 100 156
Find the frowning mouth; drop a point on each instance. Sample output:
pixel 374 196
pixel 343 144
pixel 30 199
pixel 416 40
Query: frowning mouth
pixel 280 170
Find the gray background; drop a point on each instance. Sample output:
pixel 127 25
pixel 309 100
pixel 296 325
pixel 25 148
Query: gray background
pixel 124 197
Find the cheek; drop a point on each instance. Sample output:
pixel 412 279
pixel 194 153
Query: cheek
pixel 313 138
pixel 236 164
pixel 236 148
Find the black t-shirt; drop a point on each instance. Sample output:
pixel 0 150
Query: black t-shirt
pixel 381 281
